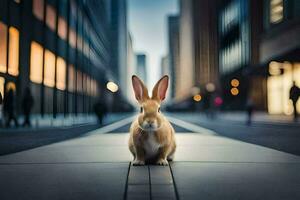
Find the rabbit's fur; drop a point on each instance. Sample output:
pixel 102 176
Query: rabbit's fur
pixel 152 137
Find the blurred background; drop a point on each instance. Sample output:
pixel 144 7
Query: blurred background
pixel 67 59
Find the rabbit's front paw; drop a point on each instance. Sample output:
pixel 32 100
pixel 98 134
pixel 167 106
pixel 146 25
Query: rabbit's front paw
pixel 138 162
pixel 162 162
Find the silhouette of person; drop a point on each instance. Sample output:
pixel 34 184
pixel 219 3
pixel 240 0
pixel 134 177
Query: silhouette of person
pixel 9 108
pixel 27 104
pixel 100 110
pixel 249 108
pixel 294 95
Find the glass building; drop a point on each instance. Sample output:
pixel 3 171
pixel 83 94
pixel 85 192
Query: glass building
pixel 61 50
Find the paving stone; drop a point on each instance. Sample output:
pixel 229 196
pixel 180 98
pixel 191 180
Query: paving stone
pixel 165 192
pixel 227 181
pixel 138 175
pixel 138 192
pixel 63 181
pixel 160 175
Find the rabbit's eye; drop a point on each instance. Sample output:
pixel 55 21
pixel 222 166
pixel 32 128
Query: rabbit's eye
pixel 141 110
pixel 158 110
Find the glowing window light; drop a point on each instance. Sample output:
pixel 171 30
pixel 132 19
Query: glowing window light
pixel 3 45
pixel 38 9
pixel 234 91
pixel 235 82
pixel 79 81
pixel 13 56
pixel 60 74
pixel 72 37
pixel 197 97
pixel 36 63
pixel 111 86
pixel 71 78
pixel 62 28
pixel 49 71
pixel 276 11
pixel 51 17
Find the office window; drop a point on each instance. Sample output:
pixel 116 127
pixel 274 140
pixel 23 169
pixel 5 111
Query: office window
pixel 62 28
pixel 72 38
pixel 79 81
pixel 3 45
pixel 38 9
pixel 276 11
pixel 79 43
pixel 71 78
pixel 51 17
pixel 36 63
pixel 49 70
pixel 60 74
pixel 13 50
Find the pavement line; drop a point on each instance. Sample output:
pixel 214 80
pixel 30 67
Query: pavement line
pixel 191 127
pixel 111 127
pixel 174 183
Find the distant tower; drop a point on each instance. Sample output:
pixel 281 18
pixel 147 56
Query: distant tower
pixel 141 67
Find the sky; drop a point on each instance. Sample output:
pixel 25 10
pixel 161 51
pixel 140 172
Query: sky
pixel 147 21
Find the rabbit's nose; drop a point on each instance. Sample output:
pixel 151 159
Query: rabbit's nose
pixel 150 122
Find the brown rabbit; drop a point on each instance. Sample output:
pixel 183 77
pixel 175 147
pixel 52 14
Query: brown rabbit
pixel 152 137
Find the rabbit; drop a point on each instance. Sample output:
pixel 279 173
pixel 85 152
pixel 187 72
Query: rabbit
pixel 152 137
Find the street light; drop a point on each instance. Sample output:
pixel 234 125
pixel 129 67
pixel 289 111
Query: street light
pixel 235 82
pixel 234 91
pixel 210 87
pixel 111 86
pixel 197 97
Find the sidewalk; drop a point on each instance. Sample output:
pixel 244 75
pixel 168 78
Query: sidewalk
pixel 241 117
pixel 61 121
pixel 97 166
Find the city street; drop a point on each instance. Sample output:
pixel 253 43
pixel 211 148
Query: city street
pixel 215 159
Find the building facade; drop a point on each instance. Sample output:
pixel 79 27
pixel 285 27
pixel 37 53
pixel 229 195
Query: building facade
pixel 174 55
pixel 279 53
pixel 59 49
pixel 141 67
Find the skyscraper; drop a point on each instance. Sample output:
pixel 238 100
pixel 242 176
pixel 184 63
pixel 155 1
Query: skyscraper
pixel 141 67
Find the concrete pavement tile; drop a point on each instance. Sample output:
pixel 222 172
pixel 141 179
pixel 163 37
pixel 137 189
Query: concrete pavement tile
pixel 195 147
pixel 138 192
pixel 214 181
pixel 165 192
pixel 63 181
pixel 138 175
pixel 160 175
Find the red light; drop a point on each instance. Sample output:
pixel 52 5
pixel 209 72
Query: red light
pixel 218 101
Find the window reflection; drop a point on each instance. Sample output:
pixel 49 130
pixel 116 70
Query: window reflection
pixel 13 59
pixel 49 71
pixel 62 28
pixel 3 47
pixel 61 74
pixel 38 9
pixel 72 38
pixel 51 17
pixel 79 81
pixel 71 78
pixel 36 63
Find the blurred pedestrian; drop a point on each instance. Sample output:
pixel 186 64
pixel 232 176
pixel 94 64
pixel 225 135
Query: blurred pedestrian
pixel 294 96
pixel 249 109
pixel 27 105
pixel 9 108
pixel 100 109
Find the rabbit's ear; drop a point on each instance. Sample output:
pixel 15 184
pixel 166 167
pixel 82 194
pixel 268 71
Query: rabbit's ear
pixel 140 90
pixel 160 89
